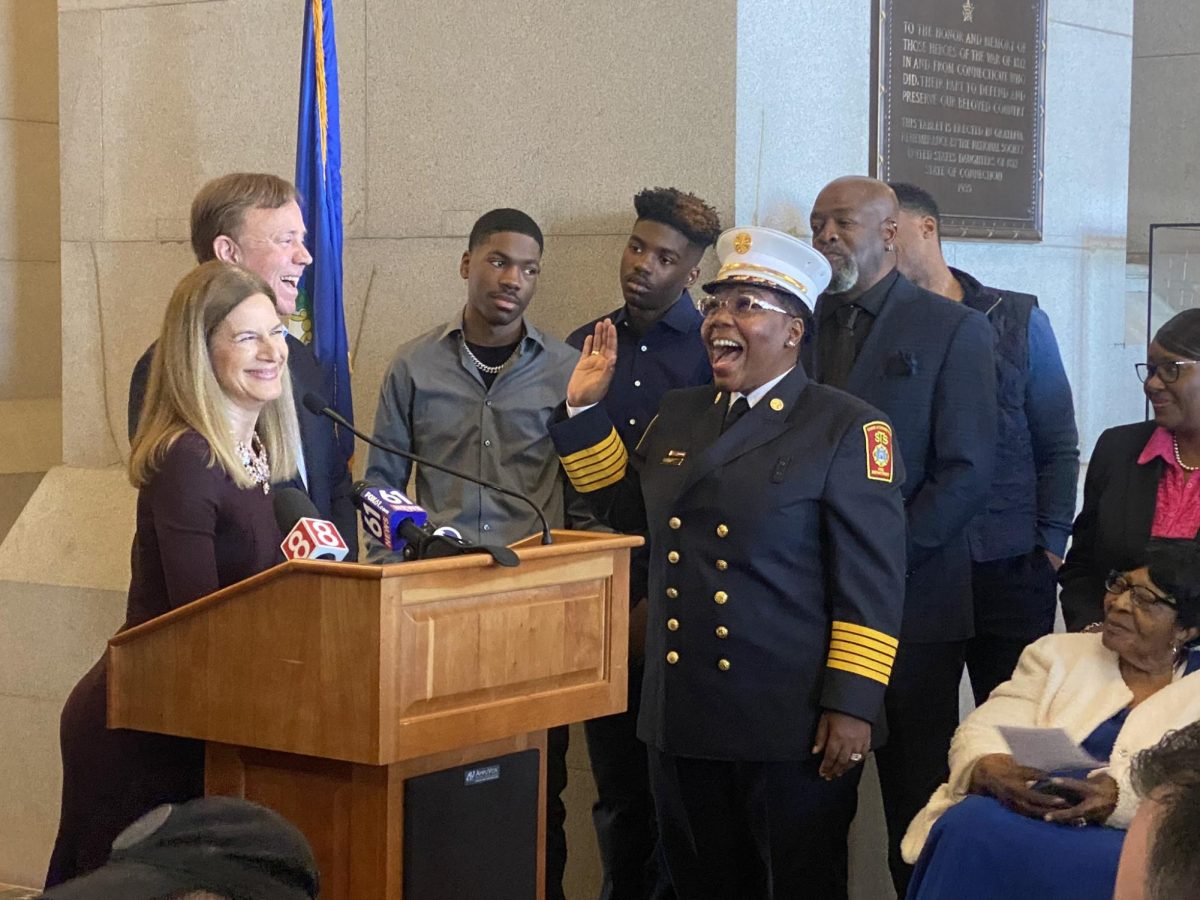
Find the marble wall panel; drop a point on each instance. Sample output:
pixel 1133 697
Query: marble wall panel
pixel 28 190
pixel 1088 76
pixel 176 113
pixel 31 776
pixel 91 513
pixel 1115 17
pixel 27 61
pixel 803 105
pixel 52 635
pixel 81 117
pixel 1164 27
pixel 560 109
pixel 30 333
pixel 1164 167
pixel 117 294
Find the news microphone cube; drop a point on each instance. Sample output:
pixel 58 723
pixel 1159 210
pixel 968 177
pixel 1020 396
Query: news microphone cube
pixel 314 539
pixel 383 510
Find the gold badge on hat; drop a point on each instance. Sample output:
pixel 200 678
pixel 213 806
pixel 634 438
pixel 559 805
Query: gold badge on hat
pixel 741 242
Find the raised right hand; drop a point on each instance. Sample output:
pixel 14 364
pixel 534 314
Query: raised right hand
pixel 594 371
pixel 998 775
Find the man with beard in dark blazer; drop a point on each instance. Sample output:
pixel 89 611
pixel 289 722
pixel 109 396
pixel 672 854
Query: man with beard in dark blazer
pixel 928 364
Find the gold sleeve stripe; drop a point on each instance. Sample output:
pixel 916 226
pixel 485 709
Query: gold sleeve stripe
pixel 602 460
pixel 882 668
pixel 588 452
pixel 599 483
pixel 865 652
pixel 585 481
pixel 597 466
pixel 863 631
pixel 865 643
pixel 593 481
pixel 858 670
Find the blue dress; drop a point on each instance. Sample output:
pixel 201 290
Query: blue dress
pixel 981 850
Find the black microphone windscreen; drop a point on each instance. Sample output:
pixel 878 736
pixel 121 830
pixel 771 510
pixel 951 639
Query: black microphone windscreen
pixel 314 403
pixel 291 505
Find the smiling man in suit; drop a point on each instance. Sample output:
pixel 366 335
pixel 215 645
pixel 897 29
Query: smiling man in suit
pixel 927 363
pixel 254 220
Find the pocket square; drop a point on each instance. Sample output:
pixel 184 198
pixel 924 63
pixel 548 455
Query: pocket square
pixel 902 362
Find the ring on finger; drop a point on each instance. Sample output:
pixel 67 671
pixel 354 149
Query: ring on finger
pixel 856 757
pixel 595 353
pixel 1079 822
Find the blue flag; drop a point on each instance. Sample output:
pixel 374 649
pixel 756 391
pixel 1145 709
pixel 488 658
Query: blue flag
pixel 319 181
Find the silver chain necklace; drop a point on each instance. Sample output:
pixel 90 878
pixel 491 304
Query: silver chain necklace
pixel 490 370
pixel 1179 458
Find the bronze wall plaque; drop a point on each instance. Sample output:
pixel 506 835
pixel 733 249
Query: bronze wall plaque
pixel 960 109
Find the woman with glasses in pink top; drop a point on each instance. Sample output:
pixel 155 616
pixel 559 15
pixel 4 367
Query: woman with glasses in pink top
pixel 1140 480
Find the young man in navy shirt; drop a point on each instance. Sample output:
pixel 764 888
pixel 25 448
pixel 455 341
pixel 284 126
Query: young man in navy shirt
pixel 658 349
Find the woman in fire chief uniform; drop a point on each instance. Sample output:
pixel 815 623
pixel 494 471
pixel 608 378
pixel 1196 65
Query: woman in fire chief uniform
pixel 777 542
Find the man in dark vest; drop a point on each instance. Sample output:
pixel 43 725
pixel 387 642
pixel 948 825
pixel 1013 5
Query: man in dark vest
pixel 1017 543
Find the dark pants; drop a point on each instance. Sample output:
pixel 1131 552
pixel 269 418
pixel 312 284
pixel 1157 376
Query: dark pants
pixel 921 704
pixel 556 813
pixel 1014 606
pixel 753 830
pixel 626 828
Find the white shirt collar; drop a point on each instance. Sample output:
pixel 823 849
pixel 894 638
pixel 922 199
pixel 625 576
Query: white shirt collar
pixel 759 392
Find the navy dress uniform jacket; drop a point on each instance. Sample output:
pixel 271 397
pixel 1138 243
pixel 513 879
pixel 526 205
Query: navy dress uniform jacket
pixel 776 562
pixel 928 364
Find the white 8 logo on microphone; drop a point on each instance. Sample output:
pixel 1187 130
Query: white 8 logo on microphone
pixel 298 544
pixel 326 534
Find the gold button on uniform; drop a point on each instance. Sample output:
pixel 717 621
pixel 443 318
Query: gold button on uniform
pixel 672 657
pixel 672 593
pixel 722 530
pixel 720 597
pixel 722 631
pixel 723 665
pixel 674 522
pixel 722 565
pixel 673 557
pixel 673 624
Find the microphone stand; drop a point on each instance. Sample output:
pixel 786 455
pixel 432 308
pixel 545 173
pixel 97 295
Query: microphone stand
pixel 317 405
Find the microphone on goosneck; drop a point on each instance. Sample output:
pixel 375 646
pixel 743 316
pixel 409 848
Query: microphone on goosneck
pixel 316 405
pixel 308 536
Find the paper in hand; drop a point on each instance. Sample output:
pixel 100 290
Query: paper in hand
pixel 1048 749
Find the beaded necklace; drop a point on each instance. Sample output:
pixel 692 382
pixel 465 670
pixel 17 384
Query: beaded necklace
pixel 254 458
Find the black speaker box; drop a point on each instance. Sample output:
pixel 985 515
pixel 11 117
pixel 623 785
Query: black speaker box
pixel 470 833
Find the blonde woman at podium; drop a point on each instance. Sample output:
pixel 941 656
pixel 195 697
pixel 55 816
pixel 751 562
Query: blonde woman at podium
pixel 218 427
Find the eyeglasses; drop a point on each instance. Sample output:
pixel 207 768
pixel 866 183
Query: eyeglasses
pixel 741 305
pixel 1168 372
pixel 1146 599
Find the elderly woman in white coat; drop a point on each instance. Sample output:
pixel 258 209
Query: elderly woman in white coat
pixel 997 829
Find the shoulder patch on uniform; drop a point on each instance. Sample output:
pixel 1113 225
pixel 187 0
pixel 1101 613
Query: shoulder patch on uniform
pixel 880 457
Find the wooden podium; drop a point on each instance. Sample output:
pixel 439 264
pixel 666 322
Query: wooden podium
pixel 320 687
